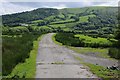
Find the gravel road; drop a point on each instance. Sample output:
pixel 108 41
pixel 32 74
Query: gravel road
pixel 54 61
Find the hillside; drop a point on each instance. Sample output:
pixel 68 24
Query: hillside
pixel 88 20
pixel 23 17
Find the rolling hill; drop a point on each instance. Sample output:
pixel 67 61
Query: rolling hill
pixel 87 20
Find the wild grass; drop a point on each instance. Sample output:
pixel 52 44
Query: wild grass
pixel 114 53
pixel 85 18
pixel 102 72
pixel 88 41
pixel 67 39
pixel 53 38
pixel 99 52
pixel 63 21
pixel 27 68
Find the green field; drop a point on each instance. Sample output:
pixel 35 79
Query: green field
pixel 94 42
pixel 85 18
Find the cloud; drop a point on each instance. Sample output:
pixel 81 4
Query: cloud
pixel 8 8
pixel 15 6
pixel 110 3
pixel 60 6
pixel 57 0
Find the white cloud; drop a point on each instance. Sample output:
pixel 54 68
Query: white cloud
pixel 86 3
pixel 61 6
pixel 8 8
pixel 110 3
pixel 57 0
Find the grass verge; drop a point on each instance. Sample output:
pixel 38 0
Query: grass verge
pixel 100 71
pixel 97 51
pixel 53 38
pixel 28 68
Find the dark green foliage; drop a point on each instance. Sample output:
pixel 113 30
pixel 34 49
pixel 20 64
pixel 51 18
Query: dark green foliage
pixel 75 17
pixel 67 39
pixel 114 53
pixel 15 19
pixel 100 21
pixel 15 49
pixel 82 41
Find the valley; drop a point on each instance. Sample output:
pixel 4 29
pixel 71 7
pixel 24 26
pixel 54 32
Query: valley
pixel 61 43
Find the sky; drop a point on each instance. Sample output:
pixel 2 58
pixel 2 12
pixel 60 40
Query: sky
pixel 16 6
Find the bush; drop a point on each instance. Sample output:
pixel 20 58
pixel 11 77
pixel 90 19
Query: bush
pixel 15 49
pixel 114 53
pixel 67 39
pixel 71 39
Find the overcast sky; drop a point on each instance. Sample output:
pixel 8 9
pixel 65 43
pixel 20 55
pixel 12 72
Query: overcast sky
pixel 15 6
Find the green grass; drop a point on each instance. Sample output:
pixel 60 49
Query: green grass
pixel 78 58
pixel 102 72
pixel 85 18
pixel 73 10
pixel 37 21
pixel 83 50
pixel 63 21
pixel 53 38
pixel 90 41
pixel 58 25
pixel 61 16
pixel 28 68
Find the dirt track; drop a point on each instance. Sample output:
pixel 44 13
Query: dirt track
pixel 54 61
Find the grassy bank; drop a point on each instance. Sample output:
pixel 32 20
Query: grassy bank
pixel 100 71
pixel 53 38
pixel 15 49
pixel 100 52
pixel 28 68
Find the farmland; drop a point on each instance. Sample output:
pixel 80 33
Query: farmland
pixel 89 31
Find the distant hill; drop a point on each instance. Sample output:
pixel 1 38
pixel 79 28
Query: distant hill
pixel 23 17
pixel 87 20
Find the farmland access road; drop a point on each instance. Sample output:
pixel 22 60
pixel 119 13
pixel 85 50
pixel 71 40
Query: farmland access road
pixel 55 61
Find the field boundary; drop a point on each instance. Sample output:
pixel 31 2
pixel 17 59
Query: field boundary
pixel 53 38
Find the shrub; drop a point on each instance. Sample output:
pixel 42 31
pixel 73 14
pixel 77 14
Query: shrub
pixel 67 39
pixel 114 53
pixel 15 49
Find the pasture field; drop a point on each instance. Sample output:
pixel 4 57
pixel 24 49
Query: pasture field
pixel 94 42
pixel 71 39
pixel 85 18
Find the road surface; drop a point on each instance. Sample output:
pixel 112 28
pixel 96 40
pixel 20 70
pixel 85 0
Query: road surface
pixel 54 61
